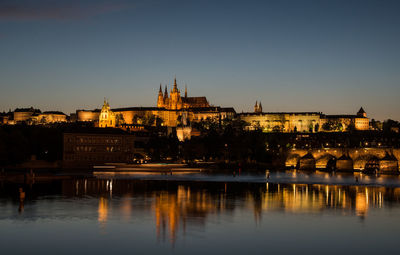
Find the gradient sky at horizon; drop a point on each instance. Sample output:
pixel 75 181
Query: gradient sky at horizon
pixel 328 56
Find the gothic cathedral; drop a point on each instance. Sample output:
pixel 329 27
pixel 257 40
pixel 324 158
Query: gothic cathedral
pixel 176 102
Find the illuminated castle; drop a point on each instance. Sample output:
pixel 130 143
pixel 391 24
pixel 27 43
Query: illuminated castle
pixel 170 108
pixel 176 102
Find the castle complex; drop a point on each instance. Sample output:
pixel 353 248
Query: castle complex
pixel 172 108
pixel 168 112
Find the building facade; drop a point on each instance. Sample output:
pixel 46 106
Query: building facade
pixel 32 116
pixel 303 121
pixel 90 148
pixel 282 121
pixel 107 117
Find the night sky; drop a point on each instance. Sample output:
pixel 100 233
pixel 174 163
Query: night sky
pixel 329 56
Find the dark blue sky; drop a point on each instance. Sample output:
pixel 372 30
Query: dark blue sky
pixel 329 56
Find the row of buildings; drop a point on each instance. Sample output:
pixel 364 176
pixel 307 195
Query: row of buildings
pixel 32 116
pixel 172 108
pixel 169 111
pixel 303 121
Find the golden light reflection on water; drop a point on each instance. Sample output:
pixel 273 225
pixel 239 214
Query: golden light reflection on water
pixel 176 206
pixel 172 210
pixel 102 212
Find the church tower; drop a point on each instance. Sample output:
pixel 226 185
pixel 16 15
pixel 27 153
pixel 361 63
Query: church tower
pixel 258 107
pixel 166 99
pixel 361 113
pixel 160 100
pixel 107 117
pixel 185 90
pixel 175 101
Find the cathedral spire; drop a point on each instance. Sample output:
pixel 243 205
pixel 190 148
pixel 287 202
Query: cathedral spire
pixel 175 89
pixel 166 92
pixel 160 91
pixel 257 107
pixel 105 102
pixel 185 90
pixel 160 99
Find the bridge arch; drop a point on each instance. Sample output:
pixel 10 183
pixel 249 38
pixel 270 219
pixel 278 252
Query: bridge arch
pixel 325 161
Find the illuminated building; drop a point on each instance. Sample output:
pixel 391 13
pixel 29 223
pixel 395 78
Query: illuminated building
pixel 25 114
pixel 51 117
pixel 176 102
pixel 88 115
pixel 32 116
pixel 107 117
pixel 169 110
pixel 302 121
pixel 258 107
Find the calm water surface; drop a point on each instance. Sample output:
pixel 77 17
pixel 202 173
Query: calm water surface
pixel 201 214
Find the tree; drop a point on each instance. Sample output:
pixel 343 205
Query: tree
pixel 316 128
pixel 159 121
pixel 351 127
pixel 282 120
pixel 376 125
pixel 389 125
pixel 338 126
pixel 119 120
pixel 149 119
pixel 137 119
pixel 179 120
pixel 43 120
pixel 277 128
pixel 328 126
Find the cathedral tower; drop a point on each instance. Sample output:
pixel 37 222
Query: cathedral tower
pixel 160 100
pixel 165 93
pixel 258 107
pixel 185 90
pixel 175 102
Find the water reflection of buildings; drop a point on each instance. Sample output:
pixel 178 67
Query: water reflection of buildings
pixel 173 209
pixel 307 198
pixel 179 206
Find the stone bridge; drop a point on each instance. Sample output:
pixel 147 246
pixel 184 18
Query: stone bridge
pixel 345 159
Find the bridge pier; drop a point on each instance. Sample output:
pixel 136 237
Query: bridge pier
pixel 344 163
pixel 307 162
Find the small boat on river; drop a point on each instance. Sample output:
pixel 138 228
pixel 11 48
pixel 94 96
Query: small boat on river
pixel 143 168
